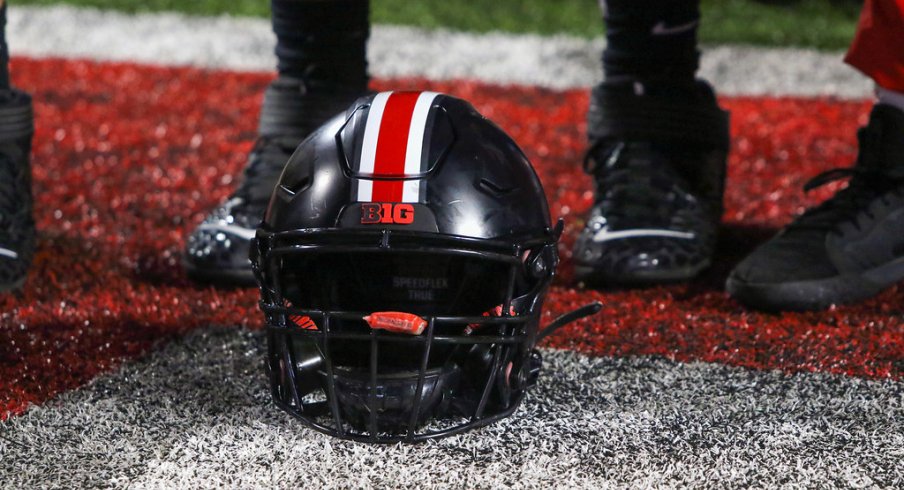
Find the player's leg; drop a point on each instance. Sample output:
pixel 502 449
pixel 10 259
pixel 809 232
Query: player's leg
pixel 658 147
pixel 852 246
pixel 322 69
pixel 17 228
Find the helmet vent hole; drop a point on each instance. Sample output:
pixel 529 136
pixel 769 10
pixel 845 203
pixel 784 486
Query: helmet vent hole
pixel 495 189
pixel 301 185
pixel 285 191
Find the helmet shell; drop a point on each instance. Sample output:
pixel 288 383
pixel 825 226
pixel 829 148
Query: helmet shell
pixel 457 171
pixel 395 199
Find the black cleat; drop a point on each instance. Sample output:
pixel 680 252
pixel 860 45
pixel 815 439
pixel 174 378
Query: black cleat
pixel 17 226
pixel 658 159
pixel 848 248
pixel 217 250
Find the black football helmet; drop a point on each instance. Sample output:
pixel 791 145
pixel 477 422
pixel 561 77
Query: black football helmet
pixel 403 261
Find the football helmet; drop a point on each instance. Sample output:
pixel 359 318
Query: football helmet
pixel 403 261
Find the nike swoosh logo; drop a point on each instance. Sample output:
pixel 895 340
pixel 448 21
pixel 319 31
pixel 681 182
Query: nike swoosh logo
pixel 239 231
pixel 8 253
pixel 663 29
pixel 605 235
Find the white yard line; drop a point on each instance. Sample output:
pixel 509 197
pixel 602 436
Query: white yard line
pixel 558 62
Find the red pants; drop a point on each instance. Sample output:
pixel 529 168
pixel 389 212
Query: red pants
pixel 878 46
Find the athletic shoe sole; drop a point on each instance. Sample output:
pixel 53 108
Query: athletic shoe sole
pixel 597 277
pixel 816 294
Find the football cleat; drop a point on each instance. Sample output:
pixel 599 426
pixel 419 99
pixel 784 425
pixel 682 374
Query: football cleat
pixel 658 158
pixel 217 250
pixel 848 248
pixel 17 226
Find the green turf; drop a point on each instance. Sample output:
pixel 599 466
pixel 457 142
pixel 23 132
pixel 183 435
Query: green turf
pixel 825 24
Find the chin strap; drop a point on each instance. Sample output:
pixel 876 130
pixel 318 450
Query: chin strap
pixel 584 311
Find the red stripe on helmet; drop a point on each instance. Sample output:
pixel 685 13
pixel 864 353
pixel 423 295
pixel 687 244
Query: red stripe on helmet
pixel 392 145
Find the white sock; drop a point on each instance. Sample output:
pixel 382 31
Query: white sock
pixel 890 97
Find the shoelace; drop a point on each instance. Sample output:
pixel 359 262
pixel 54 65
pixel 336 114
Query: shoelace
pixel 269 157
pixel 626 193
pixel 867 179
pixel 864 185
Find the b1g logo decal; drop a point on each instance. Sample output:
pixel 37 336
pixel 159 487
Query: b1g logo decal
pixel 387 213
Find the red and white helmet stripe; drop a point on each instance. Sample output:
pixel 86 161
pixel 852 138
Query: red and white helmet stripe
pixel 393 147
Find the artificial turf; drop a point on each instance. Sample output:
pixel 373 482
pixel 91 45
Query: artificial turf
pixel 129 158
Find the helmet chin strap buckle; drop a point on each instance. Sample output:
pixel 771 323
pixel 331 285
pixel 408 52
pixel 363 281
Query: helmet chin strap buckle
pixel 584 311
pixel 525 375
